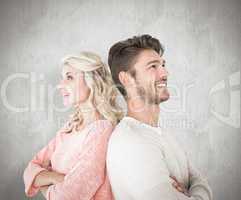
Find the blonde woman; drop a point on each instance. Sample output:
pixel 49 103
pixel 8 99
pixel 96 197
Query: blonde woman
pixel 72 165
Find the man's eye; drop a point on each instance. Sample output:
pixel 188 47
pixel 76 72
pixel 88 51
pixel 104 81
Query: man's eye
pixel 153 66
pixel 163 65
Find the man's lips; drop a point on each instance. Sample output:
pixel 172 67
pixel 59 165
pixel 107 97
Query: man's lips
pixel 162 83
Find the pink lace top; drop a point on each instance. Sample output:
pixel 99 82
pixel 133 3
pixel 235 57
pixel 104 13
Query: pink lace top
pixel 81 157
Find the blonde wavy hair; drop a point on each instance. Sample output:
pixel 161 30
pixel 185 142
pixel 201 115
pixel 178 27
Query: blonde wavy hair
pixel 103 92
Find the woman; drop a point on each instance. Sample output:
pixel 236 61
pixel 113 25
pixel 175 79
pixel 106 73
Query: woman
pixel 72 165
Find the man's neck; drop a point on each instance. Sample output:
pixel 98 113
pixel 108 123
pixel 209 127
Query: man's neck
pixel 148 114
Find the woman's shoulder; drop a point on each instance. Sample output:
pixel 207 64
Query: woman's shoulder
pixel 101 125
pixel 100 128
pixel 63 130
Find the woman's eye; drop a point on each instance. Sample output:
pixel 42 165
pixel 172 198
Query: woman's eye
pixel 69 77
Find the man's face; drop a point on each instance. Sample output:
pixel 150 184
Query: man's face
pixel 151 77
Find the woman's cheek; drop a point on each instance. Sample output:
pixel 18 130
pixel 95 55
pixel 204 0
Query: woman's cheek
pixel 66 100
pixel 71 98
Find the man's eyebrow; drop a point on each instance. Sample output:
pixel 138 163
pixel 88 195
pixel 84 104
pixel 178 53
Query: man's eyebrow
pixel 153 61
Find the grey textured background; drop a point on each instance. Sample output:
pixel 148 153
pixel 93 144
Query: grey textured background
pixel 202 40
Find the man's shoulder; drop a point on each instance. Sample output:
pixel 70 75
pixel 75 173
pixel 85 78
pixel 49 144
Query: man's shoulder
pixel 123 130
pixel 124 136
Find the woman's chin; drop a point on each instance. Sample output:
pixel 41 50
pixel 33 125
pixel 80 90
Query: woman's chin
pixel 66 103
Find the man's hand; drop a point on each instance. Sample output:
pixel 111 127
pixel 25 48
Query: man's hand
pixel 180 186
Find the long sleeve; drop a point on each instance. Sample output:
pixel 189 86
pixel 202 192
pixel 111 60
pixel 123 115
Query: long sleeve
pixel 138 171
pixel 140 161
pixel 83 181
pixel 199 187
pixel 36 165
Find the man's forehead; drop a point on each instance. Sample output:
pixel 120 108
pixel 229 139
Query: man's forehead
pixel 148 56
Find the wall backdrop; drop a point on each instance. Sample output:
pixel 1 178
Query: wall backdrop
pixel 202 42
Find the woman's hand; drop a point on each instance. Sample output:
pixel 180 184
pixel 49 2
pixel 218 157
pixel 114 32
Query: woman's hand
pixel 47 165
pixel 46 178
pixel 56 177
pixel 180 186
pixel 43 190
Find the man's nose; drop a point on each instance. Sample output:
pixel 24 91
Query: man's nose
pixel 163 72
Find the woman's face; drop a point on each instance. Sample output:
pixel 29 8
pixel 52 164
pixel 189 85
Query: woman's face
pixel 73 86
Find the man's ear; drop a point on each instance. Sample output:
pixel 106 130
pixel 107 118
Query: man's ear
pixel 123 77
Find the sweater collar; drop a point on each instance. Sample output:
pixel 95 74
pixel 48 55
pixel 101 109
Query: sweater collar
pixel 132 120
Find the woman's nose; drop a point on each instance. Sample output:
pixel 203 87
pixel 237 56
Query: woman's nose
pixel 60 85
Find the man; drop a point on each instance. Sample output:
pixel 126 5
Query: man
pixel 143 162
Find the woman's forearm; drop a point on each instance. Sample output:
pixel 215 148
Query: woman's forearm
pixel 43 179
pixel 43 190
pixel 46 178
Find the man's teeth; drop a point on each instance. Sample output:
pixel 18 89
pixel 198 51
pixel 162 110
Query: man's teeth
pixel 162 85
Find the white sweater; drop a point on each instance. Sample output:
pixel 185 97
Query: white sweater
pixel 140 160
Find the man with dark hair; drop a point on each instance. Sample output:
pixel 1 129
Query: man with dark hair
pixel 122 56
pixel 143 162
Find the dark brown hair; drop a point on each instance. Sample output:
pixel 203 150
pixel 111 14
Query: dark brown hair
pixel 123 55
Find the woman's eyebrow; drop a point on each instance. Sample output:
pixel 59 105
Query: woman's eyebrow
pixel 68 73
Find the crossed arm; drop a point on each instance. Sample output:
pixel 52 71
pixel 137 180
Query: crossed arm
pixel 81 182
pixel 46 178
pixel 143 174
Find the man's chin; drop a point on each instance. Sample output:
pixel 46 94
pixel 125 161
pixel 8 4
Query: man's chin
pixel 163 94
pixel 164 98
pixel 161 99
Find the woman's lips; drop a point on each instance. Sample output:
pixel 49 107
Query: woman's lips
pixel 66 99
pixel 65 94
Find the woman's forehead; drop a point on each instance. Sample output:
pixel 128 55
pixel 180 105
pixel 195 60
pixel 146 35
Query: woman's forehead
pixel 68 69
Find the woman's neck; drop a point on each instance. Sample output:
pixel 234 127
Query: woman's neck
pixel 89 114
